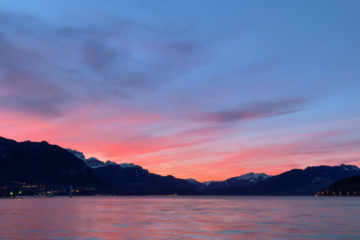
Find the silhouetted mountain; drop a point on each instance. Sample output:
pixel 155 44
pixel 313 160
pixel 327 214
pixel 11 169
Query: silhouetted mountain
pixel 302 182
pixel 128 178
pixel 245 180
pixel 345 186
pixel 195 183
pixel 50 165
pixel 94 162
pixel 42 163
pixel 136 180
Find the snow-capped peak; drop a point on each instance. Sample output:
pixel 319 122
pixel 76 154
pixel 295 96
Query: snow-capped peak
pixel 350 167
pixel 208 183
pixel 77 154
pixel 191 180
pixel 127 165
pixel 96 163
pixel 253 176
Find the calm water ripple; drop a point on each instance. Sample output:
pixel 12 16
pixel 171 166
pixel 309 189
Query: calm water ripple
pixel 95 218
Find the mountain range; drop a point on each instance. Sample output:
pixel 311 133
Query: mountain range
pixel 36 167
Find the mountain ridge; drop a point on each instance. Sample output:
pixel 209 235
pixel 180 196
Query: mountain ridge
pixel 50 165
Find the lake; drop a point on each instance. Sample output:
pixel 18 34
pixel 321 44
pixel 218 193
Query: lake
pixel 180 218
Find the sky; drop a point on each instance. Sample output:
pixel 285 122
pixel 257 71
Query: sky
pixel 194 89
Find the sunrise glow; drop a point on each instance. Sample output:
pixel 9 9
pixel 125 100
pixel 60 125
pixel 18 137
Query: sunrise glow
pixel 206 97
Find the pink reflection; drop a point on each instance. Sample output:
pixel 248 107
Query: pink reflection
pixel 180 218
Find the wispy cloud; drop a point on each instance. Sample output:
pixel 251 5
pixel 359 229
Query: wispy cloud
pixel 24 89
pixel 64 66
pixel 257 110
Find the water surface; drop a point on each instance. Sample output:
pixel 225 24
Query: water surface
pixel 180 218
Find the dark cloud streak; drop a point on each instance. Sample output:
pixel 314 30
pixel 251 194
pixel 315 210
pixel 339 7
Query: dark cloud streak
pixel 257 110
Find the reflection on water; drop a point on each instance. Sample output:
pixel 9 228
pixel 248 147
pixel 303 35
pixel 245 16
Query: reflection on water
pixel 180 218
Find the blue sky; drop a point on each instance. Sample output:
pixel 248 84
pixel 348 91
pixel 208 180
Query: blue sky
pixel 204 89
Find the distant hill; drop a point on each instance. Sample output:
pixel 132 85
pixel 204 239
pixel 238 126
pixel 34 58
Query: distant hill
pixel 136 180
pixel 243 181
pixel 302 182
pixel 294 182
pixel 346 186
